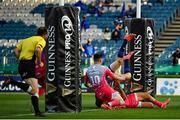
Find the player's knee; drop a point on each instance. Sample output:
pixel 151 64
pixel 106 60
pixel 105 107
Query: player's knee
pixel 119 60
pixel 128 76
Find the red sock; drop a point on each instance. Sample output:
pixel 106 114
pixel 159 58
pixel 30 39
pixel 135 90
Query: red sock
pixel 114 103
pixel 158 103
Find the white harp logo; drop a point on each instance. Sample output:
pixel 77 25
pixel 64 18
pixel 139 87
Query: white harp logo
pixel 67 25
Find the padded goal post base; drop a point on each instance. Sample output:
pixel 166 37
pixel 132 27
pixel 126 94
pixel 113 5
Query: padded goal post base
pixel 142 64
pixel 63 93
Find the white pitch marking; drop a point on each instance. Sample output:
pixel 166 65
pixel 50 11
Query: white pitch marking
pixel 20 115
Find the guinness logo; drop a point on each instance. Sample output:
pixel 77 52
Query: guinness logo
pixel 67 25
pixel 50 88
pixel 150 34
pixel 135 87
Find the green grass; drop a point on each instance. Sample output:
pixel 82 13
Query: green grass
pixel 18 105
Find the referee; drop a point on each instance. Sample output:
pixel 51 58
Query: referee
pixel 29 51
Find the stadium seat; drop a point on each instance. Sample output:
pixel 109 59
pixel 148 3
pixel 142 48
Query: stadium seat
pixel 22 17
pixel 165 57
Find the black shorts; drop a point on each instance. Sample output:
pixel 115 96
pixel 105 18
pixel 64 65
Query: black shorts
pixel 27 69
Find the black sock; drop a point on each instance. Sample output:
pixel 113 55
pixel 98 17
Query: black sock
pixel 21 85
pixel 35 103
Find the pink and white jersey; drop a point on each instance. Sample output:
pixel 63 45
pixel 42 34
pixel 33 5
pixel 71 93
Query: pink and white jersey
pixel 96 75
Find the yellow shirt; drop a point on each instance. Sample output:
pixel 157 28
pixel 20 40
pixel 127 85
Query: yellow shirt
pixel 28 46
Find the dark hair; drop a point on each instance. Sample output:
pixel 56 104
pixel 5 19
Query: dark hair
pixel 97 56
pixel 84 17
pixel 118 22
pixel 42 31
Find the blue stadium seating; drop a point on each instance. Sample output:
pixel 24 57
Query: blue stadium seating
pixel 161 14
pixel 109 48
pixel 16 30
pixel 165 57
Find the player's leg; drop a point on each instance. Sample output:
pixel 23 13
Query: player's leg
pixel 127 38
pixel 111 98
pixel 26 70
pixel 113 104
pixel 24 86
pixel 117 63
pixel 42 86
pixel 98 102
pixel 33 82
pixel 122 93
pixel 117 100
pixel 126 75
pixel 31 87
pixel 146 105
pixel 132 101
pixel 127 57
pixel 145 96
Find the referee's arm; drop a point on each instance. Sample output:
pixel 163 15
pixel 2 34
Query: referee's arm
pixel 17 49
pixel 38 53
pixel 17 52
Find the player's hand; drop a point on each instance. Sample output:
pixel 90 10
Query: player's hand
pixel 41 64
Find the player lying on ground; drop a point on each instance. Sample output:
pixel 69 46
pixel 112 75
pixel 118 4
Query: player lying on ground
pixel 138 100
pixel 96 78
pixel 144 100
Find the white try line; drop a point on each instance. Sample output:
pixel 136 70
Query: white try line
pixel 17 115
pixel 21 115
